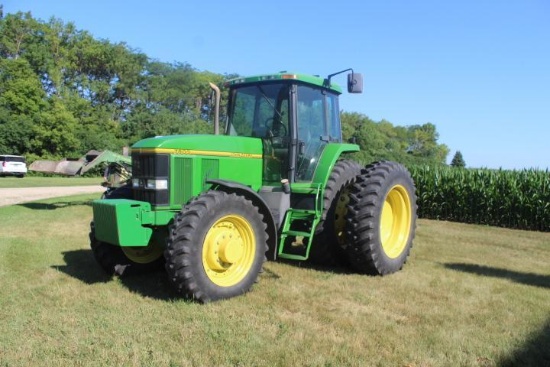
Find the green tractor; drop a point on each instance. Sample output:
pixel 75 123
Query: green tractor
pixel 212 208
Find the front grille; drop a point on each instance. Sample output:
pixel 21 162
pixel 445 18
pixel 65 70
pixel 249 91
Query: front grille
pixel 151 166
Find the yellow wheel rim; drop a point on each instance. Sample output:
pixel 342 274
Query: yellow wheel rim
pixel 229 250
pixel 395 223
pixel 340 216
pixel 144 255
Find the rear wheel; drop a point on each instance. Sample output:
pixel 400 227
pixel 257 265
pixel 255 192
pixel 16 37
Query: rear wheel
pixel 381 219
pixel 117 260
pixel 330 235
pixel 216 247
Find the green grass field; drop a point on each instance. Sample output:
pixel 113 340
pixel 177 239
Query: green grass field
pixel 469 296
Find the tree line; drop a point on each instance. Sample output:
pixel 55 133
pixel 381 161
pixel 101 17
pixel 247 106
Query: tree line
pixel 64 92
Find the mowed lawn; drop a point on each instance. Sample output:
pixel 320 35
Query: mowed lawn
pixel 468 296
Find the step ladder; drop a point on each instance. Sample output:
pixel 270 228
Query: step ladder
pixel 295 244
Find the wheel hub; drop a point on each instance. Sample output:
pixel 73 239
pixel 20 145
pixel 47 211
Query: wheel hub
pixel 228 250
pixel 231 251
pixel 395 221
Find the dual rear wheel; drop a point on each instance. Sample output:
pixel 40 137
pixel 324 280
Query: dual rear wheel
pixel 381 219
pixel 330 234
pixel 369 218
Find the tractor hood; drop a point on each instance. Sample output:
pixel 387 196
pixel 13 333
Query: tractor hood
pixel 209 145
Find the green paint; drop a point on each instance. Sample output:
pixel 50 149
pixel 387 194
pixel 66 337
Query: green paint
pixel 248 160
pixel 120 222
pixel 286 76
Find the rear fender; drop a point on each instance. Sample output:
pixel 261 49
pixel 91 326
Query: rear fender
pixel 330 156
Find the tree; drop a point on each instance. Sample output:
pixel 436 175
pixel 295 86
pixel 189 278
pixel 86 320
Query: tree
pixel 458 161
pixel 54 132
pixel 423 144
pixel 63 92
pixel 21 103
pixel 382 140
pixel 20 89
pixel 17 33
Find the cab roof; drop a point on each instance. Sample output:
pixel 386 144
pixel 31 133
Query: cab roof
pixel 284 75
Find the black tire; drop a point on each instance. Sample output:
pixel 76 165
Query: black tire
pixel 202 263
pixel 330 235
pixel 116 260
pixel 381 219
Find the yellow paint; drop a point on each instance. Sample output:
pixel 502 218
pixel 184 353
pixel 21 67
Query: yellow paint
pixel 195 152
pixel 144 255
pixel 229 250
pixel 395 221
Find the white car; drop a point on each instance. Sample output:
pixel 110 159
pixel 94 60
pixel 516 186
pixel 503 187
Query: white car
pixel 12 165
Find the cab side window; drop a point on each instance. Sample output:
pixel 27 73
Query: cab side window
pixel 310 114
pixel 312 131
pixel 333 113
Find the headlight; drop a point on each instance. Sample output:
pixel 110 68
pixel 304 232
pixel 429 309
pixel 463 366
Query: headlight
pixel 156 184
pixel 135 182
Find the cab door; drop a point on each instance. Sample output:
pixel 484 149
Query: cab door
pixel 318 124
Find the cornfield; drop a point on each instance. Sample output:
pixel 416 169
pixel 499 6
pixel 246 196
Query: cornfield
pixel 511 199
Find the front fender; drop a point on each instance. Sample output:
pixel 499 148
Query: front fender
pixel 238 188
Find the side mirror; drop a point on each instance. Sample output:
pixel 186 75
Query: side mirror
pixel 355 83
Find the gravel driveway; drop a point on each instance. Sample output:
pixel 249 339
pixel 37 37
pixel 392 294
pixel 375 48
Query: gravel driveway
pixel 24 195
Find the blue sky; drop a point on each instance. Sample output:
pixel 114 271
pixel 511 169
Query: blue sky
pixel 477 69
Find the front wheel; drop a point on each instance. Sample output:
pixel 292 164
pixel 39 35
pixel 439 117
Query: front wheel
pixel 117 260
pixel 381 218
pixel 216 247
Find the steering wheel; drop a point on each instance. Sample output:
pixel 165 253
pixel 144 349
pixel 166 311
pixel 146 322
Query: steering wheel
pixel 281 127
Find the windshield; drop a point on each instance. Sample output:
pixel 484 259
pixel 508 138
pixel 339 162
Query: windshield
pixel 12 159
pixel 259 111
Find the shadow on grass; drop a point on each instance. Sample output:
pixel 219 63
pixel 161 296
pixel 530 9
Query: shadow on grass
pixel 533 279
pixel 152 285
pixel 53 206
pixel 81 265
pixel 534 352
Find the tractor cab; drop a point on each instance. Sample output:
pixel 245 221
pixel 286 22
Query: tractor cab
pixel 295 115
